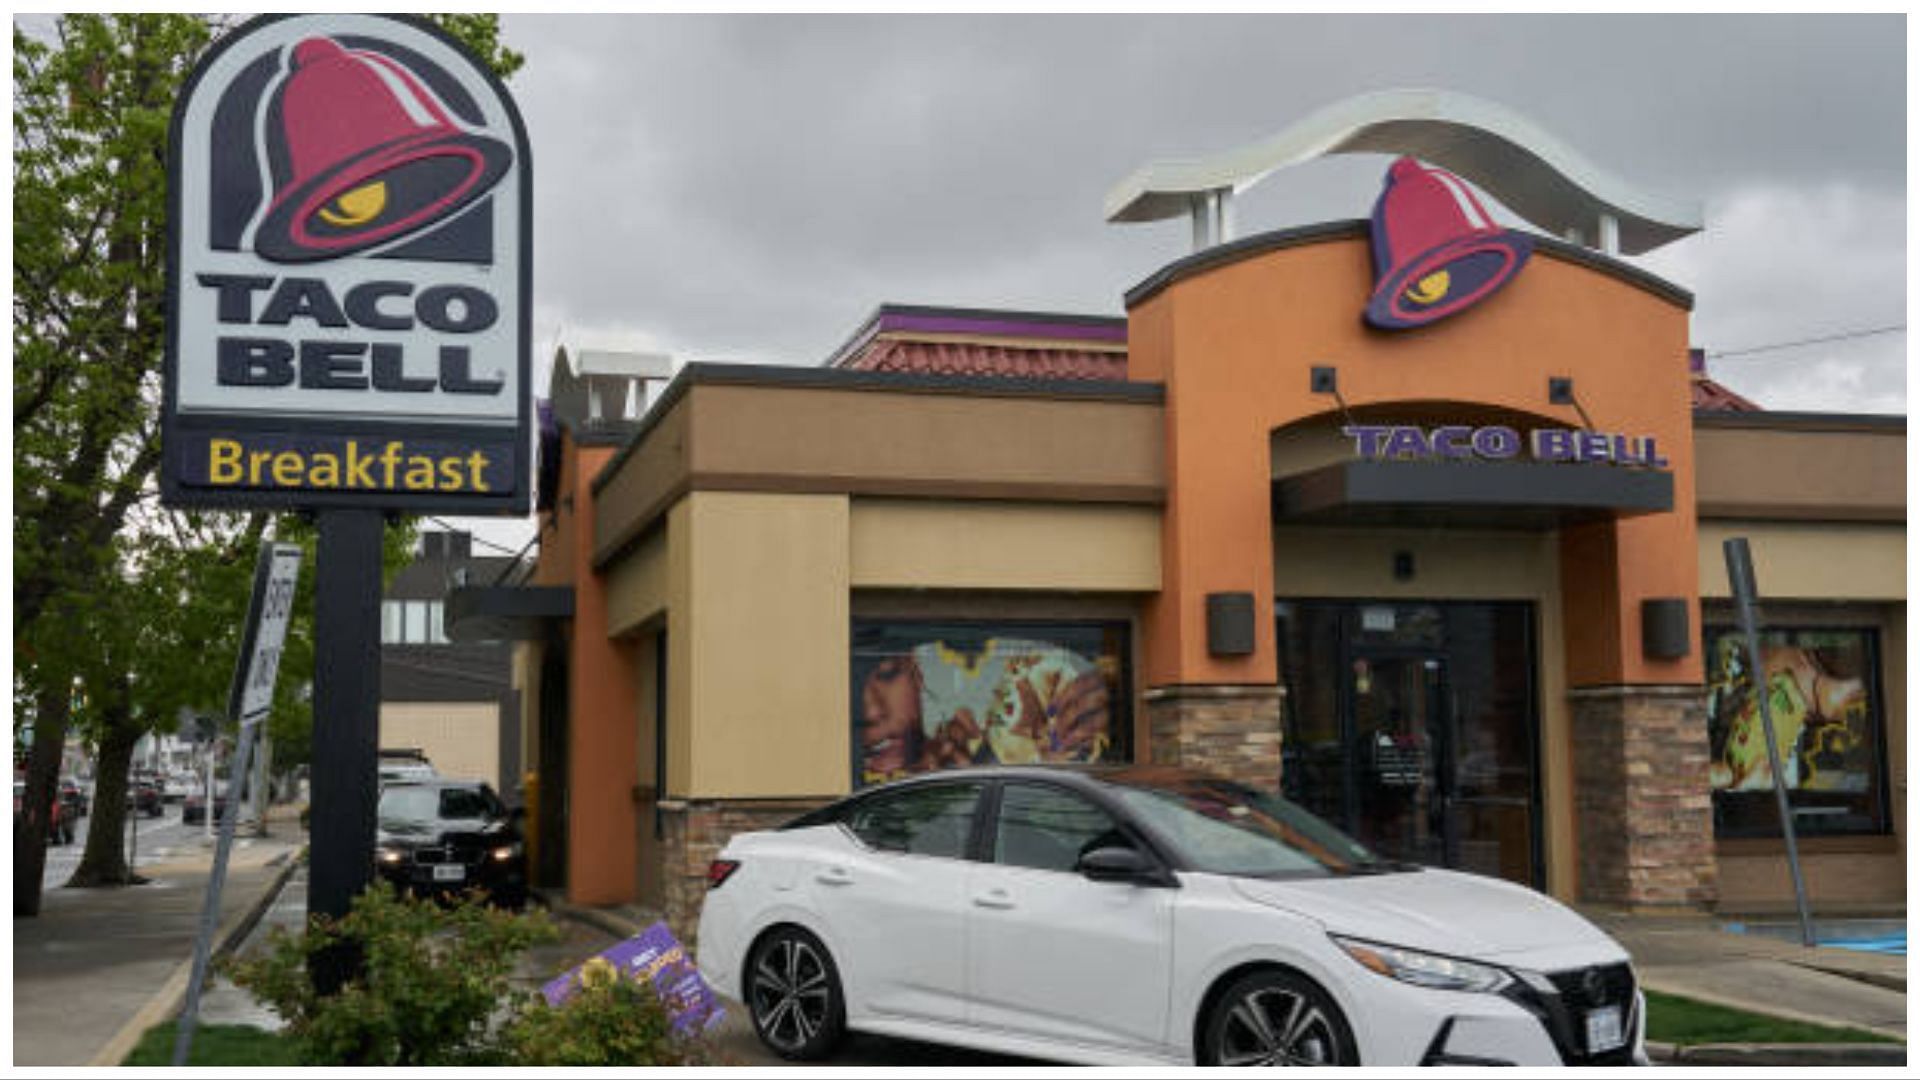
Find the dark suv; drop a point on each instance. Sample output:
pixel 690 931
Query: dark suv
pixel 439 837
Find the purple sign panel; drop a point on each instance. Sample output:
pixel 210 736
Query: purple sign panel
pixel 1401 442
pixel 655 957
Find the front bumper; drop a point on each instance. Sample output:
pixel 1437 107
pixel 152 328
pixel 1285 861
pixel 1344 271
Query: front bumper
pixel 1539 1021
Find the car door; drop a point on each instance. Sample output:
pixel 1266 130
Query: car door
pixel 1051 953
pixel 893 894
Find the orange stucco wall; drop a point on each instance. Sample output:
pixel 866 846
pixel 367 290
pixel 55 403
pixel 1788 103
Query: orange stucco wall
pixel 603 737
pixel 1234 344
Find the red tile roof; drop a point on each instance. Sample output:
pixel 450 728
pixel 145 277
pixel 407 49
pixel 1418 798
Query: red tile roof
pixel 1710 396
pixel 982 358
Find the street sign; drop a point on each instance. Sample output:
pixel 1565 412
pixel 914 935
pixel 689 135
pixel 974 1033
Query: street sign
pixel 266 632
pixel 349 274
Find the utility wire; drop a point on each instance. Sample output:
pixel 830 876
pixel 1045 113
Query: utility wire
pixel 1777 346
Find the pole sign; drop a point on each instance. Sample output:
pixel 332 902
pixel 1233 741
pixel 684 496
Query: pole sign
pixel 349 274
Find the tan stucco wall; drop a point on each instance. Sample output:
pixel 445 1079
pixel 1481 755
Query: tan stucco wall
pixel 462 739
pixel 1810 560
pixel 1459 565
pixel 767 646
pixel 913 543
pixel 638 585
pixel 1832 469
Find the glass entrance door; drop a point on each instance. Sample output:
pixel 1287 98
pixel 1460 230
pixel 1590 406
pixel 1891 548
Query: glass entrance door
pixel 1395 746
pixel 1413 726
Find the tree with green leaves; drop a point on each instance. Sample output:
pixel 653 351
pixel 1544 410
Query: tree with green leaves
pixel 107 584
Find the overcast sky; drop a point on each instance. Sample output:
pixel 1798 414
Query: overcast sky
pixel 750 188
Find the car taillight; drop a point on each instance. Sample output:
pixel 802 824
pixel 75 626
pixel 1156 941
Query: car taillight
pixel 719 870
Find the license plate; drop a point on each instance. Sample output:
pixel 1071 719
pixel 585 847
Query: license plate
pixel 456 872
pixel 1604 1030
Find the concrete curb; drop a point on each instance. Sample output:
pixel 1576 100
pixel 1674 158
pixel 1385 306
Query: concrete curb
pixel 610 922
pixel 166 1002
pixel 1774 1055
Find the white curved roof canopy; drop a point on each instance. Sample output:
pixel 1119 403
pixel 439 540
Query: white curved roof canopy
pixel 1545 181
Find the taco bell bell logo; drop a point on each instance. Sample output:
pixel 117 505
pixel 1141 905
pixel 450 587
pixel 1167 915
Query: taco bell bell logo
pixel 1436 251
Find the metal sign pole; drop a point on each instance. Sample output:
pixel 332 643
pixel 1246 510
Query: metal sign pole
pixel 1740 576
pixel 249 701
pixel 346 725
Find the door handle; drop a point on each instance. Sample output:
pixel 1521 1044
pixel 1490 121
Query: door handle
pixel 993 898
pixel 834 875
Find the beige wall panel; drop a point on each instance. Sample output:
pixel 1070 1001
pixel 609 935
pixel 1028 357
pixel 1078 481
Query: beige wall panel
pixel 652 861
pixel 1810 561
pixel 637 585
pixel 1837 882
pixel 768 642
pixel 640 484
pixel 1793 473
pixel 1460 565
pixel 461 739
pixel 912 543
pixel 679 652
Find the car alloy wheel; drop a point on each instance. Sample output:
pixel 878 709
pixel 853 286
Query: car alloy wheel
pixel 1277 1018
pixel 794 994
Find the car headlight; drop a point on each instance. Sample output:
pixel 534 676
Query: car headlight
pixel 1425 969
pixel 510 851
pixel 390 856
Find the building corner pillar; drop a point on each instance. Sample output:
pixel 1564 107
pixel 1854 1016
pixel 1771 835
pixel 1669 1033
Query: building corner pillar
pixel 1231 731
pixel 1644 806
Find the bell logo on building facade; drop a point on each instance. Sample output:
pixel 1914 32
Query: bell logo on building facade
pixel 1436 251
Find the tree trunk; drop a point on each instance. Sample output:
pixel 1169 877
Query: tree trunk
pixel 51 707
pixel 104 863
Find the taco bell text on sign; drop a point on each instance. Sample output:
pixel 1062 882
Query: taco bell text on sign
pixel 349 272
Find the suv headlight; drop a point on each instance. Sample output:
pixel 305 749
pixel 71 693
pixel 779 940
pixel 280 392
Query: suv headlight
pixel 510 851
pixel 1425 969
pixel 390 856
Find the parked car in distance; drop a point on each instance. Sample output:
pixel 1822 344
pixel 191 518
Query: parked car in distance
pixel 193 811
pixel 177 786
pixel 438 837
pixel 59 822
pixel 405 766
pixel 1130 914
pixel 143 797
pixel 74 798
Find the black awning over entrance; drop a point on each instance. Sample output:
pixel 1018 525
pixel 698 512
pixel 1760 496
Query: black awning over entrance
pixel 505 612
pixel 1508 495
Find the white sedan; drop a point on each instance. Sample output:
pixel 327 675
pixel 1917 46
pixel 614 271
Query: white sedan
pixel 1139 914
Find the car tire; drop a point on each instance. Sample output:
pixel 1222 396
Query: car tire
pixel 1276 1017
pixel 792 991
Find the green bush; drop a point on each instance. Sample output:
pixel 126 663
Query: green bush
pixel 610 1021
pixel 431 981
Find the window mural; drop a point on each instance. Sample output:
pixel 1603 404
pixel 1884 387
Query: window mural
pixel 1821 687
pixel 934 695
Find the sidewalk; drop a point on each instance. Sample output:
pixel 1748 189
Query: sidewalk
pixel 1691 956
pixel 98 963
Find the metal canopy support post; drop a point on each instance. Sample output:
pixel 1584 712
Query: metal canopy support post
pixel 346 723
pixel 1740 576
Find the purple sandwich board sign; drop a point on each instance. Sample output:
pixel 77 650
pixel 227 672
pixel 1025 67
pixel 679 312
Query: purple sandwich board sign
pixel 655 956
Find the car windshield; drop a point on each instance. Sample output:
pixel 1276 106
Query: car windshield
pixel 414 805
pixel 1221 827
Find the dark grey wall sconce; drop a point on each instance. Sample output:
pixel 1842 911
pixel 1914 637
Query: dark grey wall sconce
pixel 1230 624
pixel 1665 633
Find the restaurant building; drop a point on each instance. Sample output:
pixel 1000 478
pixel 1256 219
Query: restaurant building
pixel 1450 575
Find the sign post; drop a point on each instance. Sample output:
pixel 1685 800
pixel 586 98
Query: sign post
pixel 349 331
pixel 1740 577
pixel 251 699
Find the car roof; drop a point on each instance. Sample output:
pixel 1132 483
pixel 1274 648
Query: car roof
pixel 1115 774
pixel 437 782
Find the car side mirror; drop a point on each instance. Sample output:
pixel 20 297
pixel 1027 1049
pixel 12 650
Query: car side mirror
pixel 1120 864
